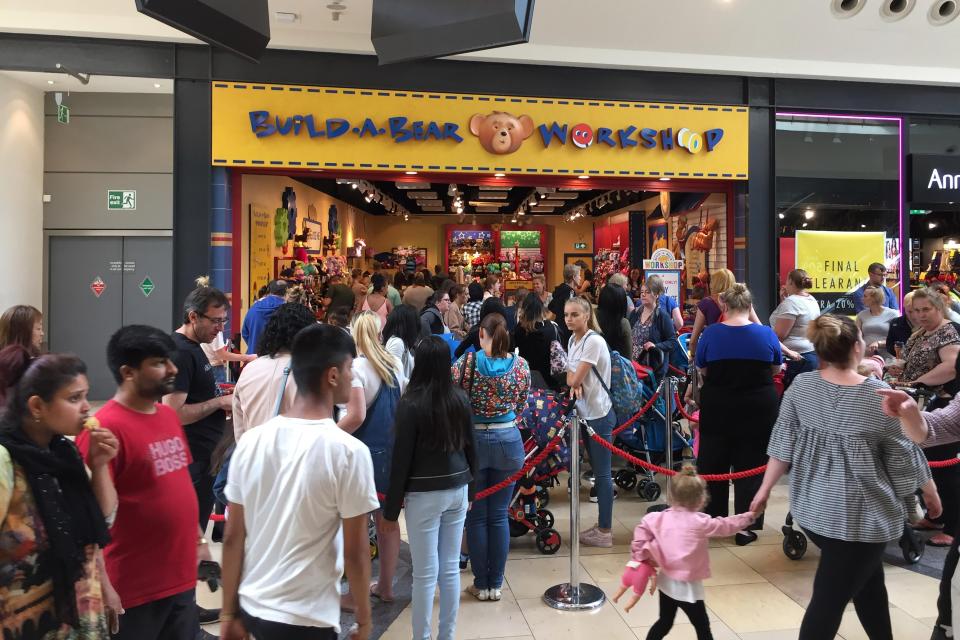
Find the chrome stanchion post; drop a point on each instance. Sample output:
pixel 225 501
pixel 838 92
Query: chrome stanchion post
pixel 574 596
pixel 668 412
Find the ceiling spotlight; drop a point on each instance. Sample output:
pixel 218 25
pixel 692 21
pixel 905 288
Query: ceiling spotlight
pixel 931 225
pixel 49 81
pixel 808 138
pixel 514 219
pixel 406 217
pixel 410 173
pixel 664 179
pixel 836 139
pixel 780 215
pixel 499 175
pixel 584 177
pixel 808 214
pixel 542 195
pixel 805 225
pixel 156 85
pixel 353 185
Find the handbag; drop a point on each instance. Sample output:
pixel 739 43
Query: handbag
pixel 558 355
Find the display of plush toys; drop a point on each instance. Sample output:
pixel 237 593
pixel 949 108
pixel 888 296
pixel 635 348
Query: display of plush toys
pixel 703 241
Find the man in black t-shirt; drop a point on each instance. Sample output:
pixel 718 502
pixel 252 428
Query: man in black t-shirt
pixel 201 409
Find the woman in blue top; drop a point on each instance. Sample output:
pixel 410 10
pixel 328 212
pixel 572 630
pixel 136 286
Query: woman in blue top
pixel 497 382
pixel 738 402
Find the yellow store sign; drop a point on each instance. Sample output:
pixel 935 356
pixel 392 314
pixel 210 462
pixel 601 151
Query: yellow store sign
pixel 283 126
pixel 837 262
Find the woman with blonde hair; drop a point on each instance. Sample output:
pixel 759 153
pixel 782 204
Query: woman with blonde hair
pixel 710 309
pixel 378 381
pixel 588 376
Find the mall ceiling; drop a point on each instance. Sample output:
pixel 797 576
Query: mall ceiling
pixel 790 38
pixel 437 199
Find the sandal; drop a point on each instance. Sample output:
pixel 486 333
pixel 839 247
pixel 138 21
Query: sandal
pixel 376 594
pixel 940 540
pixel 927 525
pixel 480 594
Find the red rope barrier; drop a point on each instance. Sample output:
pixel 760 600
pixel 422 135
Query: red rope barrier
pixel 680 408
pixel 500 486
pixel 639 415
pixel 709 477
pixel 939 464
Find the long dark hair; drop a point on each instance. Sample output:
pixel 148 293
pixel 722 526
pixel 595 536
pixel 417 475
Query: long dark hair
pixel 611 310
pixel 22 377
pixel 404 323
pixel 442 409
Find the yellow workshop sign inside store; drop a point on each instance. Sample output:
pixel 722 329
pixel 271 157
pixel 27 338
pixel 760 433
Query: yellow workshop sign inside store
pixel 257 125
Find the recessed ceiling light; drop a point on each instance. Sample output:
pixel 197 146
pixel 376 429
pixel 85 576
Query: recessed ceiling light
pixel 285 16
pixel 584 177
pixel 780 215
pixel 49 81
pixel 156 85
pixel 808 214
pixel 805 225
pixel 499 175
pixel 664 179
pixel 411 173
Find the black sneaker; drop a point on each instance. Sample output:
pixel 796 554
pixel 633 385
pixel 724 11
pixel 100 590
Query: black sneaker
pixel 464 559
pixel 208 616
pixel 743 538
pixel 593 494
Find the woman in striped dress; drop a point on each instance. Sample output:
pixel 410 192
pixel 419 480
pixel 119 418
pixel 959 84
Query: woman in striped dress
pixel 850 469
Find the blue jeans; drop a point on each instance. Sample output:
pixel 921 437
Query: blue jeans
pixel 810 362
pixel 499 456
pixel 600 461
pixel 435 527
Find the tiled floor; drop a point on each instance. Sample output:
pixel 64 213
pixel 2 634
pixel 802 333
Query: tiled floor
pixel 755 593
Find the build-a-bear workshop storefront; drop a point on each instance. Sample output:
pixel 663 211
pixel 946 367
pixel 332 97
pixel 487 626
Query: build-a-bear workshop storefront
pixel 342 179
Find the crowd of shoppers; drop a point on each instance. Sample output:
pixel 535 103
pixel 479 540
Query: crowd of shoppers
pixel 364 415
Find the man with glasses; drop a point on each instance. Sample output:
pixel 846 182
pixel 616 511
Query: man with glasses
pixel 877 274
pixel 199 404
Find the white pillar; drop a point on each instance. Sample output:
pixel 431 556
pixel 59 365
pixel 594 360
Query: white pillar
pixel 21 194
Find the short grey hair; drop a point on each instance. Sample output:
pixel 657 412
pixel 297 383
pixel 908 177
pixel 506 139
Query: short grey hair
pixel 618 279
pixel 655 286
pixel 570 272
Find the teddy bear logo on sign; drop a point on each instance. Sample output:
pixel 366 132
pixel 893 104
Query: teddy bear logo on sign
pixel 500 132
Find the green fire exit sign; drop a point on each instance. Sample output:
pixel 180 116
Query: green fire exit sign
pixel 63 114
pixel 121 200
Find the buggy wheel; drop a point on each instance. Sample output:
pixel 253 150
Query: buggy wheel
pixel 649 490
pixel 912 546
pixel 548 541
pixel 543 497
pixel 517 528
pixel 374 549
pixel 545 519
pixel 625 479
pixel 794 545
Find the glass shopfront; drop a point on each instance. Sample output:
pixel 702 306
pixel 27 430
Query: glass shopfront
pixel 838 201
pixel 934 201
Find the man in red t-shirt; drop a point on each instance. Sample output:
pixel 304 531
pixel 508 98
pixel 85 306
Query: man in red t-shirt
pixel 156 542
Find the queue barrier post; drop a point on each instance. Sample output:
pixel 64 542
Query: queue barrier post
pixel 574 595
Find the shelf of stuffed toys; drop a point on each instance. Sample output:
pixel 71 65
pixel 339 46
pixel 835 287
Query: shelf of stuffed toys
pixel 471 249
pixel 606 262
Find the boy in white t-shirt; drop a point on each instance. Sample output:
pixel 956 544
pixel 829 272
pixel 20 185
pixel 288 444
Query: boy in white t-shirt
pixel 293 483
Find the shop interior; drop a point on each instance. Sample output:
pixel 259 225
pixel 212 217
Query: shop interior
pixel 472 226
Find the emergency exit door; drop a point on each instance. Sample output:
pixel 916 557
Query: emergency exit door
pixel 98 284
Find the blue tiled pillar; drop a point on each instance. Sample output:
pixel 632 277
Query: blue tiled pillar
pixel 221 236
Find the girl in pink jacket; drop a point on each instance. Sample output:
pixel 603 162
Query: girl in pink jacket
pixel 675 543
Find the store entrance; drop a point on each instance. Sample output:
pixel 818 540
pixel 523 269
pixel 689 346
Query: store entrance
pixel 934 244
pixel 470 226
